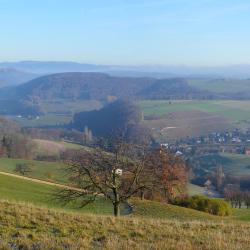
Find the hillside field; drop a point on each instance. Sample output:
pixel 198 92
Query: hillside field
pixel 49 171
pixel 177 119
pixel 32 219
pixel 29 227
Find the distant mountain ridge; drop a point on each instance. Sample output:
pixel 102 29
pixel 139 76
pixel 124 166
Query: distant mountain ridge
pixel 11 76
pixel 100 86
pixel 158 71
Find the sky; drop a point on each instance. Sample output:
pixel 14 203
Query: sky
pixel 126 32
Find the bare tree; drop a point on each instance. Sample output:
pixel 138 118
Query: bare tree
pixel 116 175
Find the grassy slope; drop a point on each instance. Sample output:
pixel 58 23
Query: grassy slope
pixel 49 171
pixel 195 190
pixel 152 225
pixel 15 189
pixel 28 226
pixel 40 169
pixel 157 210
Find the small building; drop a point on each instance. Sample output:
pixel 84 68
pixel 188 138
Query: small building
pixel 178 153
pixel 208 184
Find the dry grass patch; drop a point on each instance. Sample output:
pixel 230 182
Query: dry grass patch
pixel 29 227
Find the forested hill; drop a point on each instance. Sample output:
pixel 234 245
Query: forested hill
pixel 174 88
pixel 100 86
pixel 119 116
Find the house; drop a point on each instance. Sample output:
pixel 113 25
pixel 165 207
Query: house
pixel 208 184
pixel 178 153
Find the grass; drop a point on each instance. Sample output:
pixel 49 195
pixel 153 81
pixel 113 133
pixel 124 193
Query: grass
pixel 184 118
pixel 44 170
pixel 234 164
pixel 233 110
pixel 19 190
pixel 157 210
pixel 194 189
pixel 58 113
pixel 54 148
pixel 241 214
pixel 30 219
pixel 237 164
pixel 29 227
pixel 48 119
pixel 50 171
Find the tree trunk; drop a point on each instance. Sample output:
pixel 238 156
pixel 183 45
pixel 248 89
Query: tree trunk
pixel 116 209
pixel 142 195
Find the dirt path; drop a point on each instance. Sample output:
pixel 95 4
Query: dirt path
pixel 40 181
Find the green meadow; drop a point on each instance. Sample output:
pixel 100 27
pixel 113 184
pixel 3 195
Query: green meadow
pixel 233 110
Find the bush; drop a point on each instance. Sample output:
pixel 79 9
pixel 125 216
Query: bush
pixel 205 204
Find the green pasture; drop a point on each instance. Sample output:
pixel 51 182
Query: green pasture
pixel 233 110
pixel 43 170
pixel 15 189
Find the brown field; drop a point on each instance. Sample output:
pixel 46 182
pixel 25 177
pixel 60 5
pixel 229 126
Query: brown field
pixel 180 124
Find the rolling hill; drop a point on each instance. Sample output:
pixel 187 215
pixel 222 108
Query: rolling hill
pixel 100 86
pixel 174 88
pixel 49 67
pixel 11 76
pixel 93 86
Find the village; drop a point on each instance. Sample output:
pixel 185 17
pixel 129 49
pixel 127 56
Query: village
pixel 235 142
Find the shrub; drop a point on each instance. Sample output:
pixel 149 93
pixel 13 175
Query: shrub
pixel 205 204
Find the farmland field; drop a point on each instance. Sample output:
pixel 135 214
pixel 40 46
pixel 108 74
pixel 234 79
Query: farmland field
pixel 193 118
pixel 57 113
pixel 233 110
pixel 48 119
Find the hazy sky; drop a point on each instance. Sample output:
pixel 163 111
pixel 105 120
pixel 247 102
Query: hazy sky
pixel 194 32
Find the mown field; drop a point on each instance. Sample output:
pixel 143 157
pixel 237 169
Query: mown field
pixel 177 119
